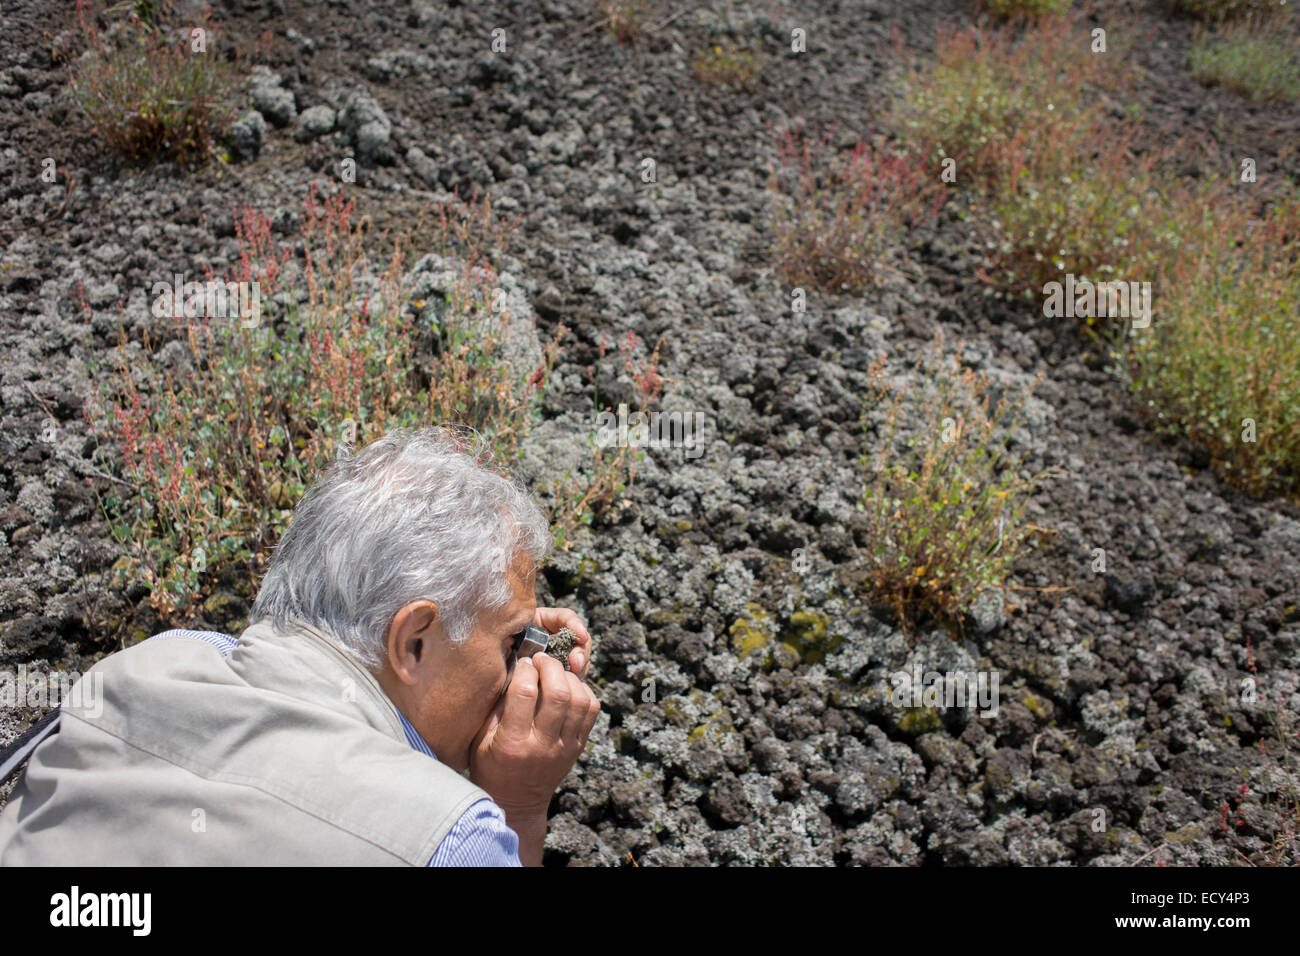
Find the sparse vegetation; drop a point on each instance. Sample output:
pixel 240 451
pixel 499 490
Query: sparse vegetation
pixel 839 216
pixel 1058 178
pixel 221 431
pixel 623 19
pixel 726 65
pixel 1226 349
pixel 1258 60
pixel 944 495
pixel 1277 783
pixel 1067 188
pixel 579 498
pixel 1126 721
pixel 996 101
pixel 1115 214
pixel 151 86
pixel 1281 802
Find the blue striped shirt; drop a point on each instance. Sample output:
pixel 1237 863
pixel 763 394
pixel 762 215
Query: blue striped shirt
pixel 479 838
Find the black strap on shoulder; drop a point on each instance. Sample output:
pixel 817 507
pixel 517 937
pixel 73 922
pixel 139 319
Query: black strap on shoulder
pixel 15 755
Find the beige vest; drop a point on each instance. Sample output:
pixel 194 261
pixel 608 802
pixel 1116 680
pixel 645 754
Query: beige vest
pixel 283 753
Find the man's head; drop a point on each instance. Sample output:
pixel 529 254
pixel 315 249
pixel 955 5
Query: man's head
pixel 420 562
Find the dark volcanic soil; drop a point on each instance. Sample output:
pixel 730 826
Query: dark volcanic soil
pixel 1120 692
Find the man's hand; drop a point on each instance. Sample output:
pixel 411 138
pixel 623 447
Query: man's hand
pixel 534 735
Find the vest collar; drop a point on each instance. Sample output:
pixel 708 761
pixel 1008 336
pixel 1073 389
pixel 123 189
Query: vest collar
pixel 270 656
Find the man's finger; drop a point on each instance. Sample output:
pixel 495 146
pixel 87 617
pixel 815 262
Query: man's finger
pixel 579 697
pixel 521 702
pixel 553 709
pixel 580 629
pixel 554 618
pixel 589 721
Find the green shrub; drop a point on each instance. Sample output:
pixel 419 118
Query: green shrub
pixel 1255 60
pixel 1052 170
pixel 946 514
pixel 1101 215
pixel 838 217
pixel 997 100
pixel 219 439
pixel 1073 190
pixel 725 64
pixel 623 19
pixel 1225 347
pixel 146 89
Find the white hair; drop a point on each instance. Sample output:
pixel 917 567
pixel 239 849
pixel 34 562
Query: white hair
pixel 417 515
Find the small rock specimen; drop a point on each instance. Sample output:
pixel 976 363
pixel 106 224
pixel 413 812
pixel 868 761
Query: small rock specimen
pixel 562 641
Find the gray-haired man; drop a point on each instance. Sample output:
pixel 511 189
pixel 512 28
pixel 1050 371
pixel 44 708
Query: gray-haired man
pixel 384 634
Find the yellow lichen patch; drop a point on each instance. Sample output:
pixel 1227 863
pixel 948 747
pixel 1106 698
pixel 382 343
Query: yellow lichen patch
pixel 807 636
pixel 1188 834
pixel 1035 706
pixel 752 633
pixel 715 727
pixel 919 720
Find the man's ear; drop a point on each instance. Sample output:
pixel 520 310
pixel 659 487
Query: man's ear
pixel 415 627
